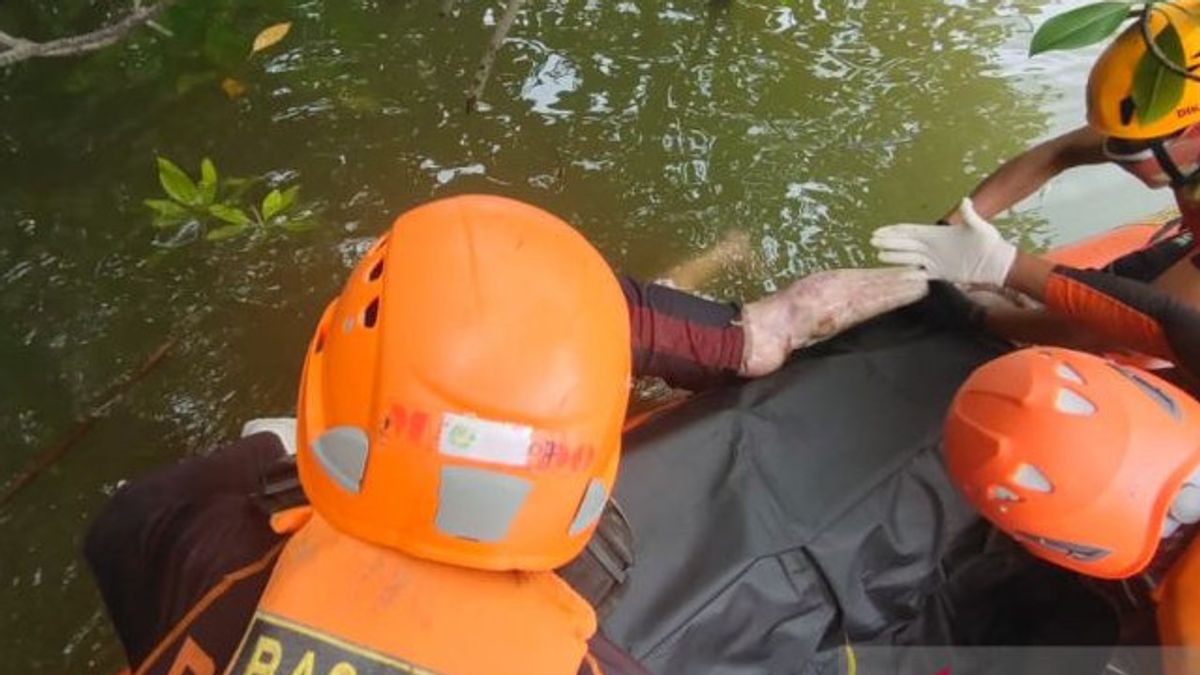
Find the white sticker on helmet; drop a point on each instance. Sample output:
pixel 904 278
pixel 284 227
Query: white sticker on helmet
pixel 484 440
pixel 1073 404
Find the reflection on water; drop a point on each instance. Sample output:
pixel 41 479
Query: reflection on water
pixel 657 128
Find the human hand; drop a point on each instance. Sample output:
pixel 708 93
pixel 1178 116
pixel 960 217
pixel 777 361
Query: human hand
pixel 818 307
pixel 973 252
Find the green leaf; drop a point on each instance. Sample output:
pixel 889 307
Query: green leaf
pixel 272 204
pixel 1080 27
pixel 289 197
pixel 208 181
pixel 166 208
pixel 177 184
pixel 1156 89
pixel 230 214
pixel 298 224
pixel 225 232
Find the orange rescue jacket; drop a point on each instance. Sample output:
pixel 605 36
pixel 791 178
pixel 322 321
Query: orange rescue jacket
pixel 339 605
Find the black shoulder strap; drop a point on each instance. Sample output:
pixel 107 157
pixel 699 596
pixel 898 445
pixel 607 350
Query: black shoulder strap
pixel 600 572
pixel 279 487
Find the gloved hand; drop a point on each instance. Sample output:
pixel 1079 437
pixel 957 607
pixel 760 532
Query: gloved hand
pixel 972 252
pixel 818 307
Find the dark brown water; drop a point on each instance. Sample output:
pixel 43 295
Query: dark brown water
pixel 656 127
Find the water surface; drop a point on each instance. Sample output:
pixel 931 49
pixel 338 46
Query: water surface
pixel 658 128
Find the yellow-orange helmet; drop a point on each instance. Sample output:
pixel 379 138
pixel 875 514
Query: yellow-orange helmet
pixel 462 400
pixel 1110 100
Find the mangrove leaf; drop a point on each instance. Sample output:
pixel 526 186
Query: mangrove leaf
pixel 177 184
pixel 1157 90
pixel 1080 27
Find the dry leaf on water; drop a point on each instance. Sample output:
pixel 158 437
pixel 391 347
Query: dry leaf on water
pixel 232 88
pixel 270 35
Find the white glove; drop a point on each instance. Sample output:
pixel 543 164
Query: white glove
pixel 971 253
pixel 818 307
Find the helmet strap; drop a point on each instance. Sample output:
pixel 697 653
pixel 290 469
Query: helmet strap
pixel 1178 179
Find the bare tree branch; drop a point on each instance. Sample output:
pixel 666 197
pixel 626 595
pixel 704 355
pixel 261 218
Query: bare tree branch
pixel 20 49
pixel 10 41
pixel 104 403
pixel 484 71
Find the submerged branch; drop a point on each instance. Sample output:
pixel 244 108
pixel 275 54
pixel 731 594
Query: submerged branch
pixel 50 456
pixel 20 49
pixel 484 71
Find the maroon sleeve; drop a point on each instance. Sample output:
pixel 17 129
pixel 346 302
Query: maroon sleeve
pixel 688 341
pixel 1128 312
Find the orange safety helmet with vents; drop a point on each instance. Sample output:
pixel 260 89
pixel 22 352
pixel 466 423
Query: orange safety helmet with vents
pixel 1086 462
pixel 462 400
pixel 1110 105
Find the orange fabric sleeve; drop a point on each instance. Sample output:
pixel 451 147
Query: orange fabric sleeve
pixel 1107 315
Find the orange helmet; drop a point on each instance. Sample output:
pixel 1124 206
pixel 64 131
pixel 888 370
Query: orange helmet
pixel 1088 463
pixel 1110 103
pixel 462 399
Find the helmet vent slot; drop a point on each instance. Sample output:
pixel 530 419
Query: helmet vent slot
pixel 1160 397
pixel 320 345
pixel 1030 477
pixel 371 314
pixel 1081 552
pixel 1000 493
pixel 1128 108
pixel 1068 373
pixel 376 271
pixel 1070 402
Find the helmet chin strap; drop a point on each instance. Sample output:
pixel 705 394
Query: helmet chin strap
pixel 1178 178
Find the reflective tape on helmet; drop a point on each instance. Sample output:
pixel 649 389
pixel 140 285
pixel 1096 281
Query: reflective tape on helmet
pixel 343 455
pixel 478 504
pixel 590 508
